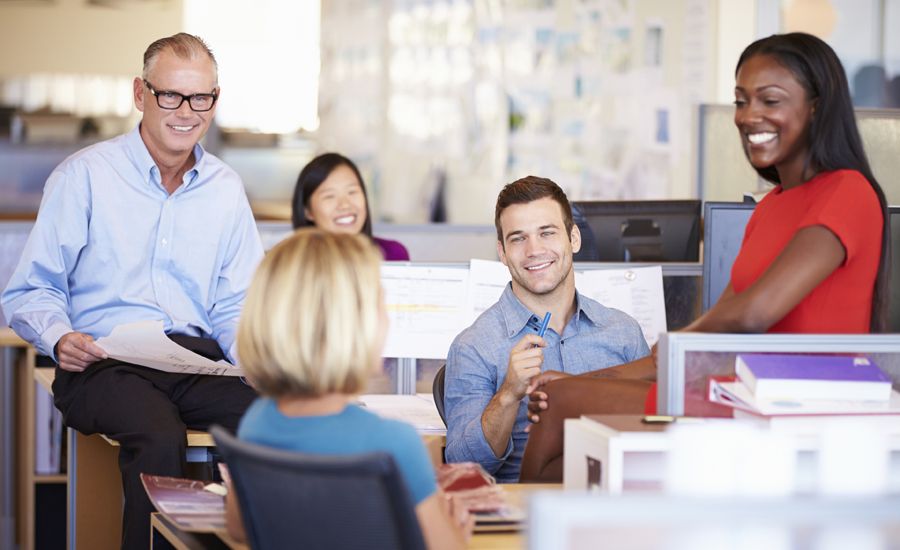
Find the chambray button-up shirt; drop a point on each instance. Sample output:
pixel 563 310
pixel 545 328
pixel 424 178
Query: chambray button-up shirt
pixel 596 337
pixel 111 246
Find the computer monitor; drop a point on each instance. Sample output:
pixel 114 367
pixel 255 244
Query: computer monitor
pixel 643 231
pixel 894 300
pixel 723 233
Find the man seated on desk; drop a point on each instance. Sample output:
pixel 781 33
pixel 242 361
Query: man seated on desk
pixel 146 226
pixel 490 364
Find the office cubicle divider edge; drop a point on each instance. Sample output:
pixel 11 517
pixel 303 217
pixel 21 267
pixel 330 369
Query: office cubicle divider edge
pixel 673 348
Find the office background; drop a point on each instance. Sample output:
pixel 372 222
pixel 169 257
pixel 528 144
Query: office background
pixel 440 101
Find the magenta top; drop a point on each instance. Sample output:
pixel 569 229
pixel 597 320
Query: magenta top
pixel 393 251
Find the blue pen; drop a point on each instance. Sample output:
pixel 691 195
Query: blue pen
pixel 544 325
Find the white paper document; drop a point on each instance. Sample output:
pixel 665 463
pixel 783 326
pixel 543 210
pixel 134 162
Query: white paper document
pixel 418 410
pixel 637 291
pixel 144 343
pixel 426 307
pixel 487 280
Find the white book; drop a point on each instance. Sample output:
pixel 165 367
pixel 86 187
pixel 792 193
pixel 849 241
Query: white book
pixel 43 414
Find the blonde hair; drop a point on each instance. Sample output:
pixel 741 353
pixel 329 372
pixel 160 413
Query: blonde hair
pixel 183 45
pixel 310 320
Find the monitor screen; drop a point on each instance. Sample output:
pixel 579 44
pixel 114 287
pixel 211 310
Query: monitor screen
pixel 894 299
pixel 723 233
pixel 640 231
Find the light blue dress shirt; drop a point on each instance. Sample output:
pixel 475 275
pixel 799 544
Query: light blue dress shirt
pixel 596 337
pixel 111 246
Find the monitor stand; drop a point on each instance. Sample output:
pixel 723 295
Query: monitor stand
pixel 642 241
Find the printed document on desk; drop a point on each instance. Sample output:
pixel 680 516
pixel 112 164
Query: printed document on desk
pixel 418 410
pixel 144 343
pixel 487 281
pixel 637 291
pixel 426 307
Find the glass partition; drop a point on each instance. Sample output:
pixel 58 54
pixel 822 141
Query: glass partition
pixel 688 360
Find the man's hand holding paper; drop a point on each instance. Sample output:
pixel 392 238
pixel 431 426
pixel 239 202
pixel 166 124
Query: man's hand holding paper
pixel 144 343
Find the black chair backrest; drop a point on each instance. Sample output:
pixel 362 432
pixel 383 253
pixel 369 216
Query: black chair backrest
pixel 298 500
pixel 437 389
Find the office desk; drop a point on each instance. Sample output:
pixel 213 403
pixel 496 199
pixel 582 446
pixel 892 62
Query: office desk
pixel 17 443
pixel 163 530
pixel 94 491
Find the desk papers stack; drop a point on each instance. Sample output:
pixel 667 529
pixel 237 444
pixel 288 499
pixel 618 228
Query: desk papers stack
pixel 193 506
pixel 418 410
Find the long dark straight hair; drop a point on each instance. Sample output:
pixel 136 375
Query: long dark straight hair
pixel 311 177
pixel 833 137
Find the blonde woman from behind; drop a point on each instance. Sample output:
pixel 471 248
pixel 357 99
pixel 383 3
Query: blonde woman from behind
pixel 312 330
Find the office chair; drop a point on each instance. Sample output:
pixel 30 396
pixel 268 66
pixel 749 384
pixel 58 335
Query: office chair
pixel 298 500
pixel 572 397
pixel 437 389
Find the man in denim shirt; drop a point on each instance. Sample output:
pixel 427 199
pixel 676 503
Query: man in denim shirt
pixel 490 364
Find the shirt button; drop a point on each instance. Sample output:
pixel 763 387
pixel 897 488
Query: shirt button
pixel 165 242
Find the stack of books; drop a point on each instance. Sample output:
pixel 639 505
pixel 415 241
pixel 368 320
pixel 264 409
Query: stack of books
pixel 773 384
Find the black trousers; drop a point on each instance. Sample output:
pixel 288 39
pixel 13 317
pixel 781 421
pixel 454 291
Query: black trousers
pixel 148 412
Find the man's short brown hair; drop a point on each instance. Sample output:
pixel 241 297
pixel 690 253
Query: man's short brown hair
pixel 530 189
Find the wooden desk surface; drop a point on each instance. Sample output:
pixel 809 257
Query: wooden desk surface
pixel 8 338
pixel 510 540
pixel 195 438
pixel 44 376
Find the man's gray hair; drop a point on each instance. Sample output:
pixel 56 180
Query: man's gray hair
pixel 183 45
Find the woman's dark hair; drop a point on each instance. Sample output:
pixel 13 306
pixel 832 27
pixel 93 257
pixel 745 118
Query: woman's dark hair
pixel 311 177
pixel 833 138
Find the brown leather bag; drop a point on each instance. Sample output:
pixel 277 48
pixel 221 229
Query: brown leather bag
pixel 571 398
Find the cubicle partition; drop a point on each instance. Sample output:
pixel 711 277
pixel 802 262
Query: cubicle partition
pixel 12 241
pixel 687 360
pixel 434 242
pixel 566 521
pixel 723 233
pixel 681 294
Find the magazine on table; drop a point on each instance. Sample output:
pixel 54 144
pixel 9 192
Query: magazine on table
pixel 192 505
pixel 475 489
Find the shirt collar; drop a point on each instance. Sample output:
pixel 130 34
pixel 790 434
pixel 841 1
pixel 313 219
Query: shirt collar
pixel 516 315
pixel 145 163
pixel 591 309
pixel 139 153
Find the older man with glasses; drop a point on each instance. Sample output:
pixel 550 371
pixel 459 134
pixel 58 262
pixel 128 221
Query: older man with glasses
pixel 145 226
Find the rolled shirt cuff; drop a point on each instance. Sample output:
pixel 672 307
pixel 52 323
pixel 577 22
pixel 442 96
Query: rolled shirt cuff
pixel 50 337
pixel 481 450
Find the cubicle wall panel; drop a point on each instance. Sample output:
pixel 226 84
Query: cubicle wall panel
pixel 688 360
pixel 701 365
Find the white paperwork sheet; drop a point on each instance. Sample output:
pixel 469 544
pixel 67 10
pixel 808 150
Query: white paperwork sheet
pixel 418 410
pixel 145 343
pixel 426 307
pixel 636 291
pixel 487 281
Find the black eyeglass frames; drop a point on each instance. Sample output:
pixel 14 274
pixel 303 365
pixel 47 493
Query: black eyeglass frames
pixel 167 99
